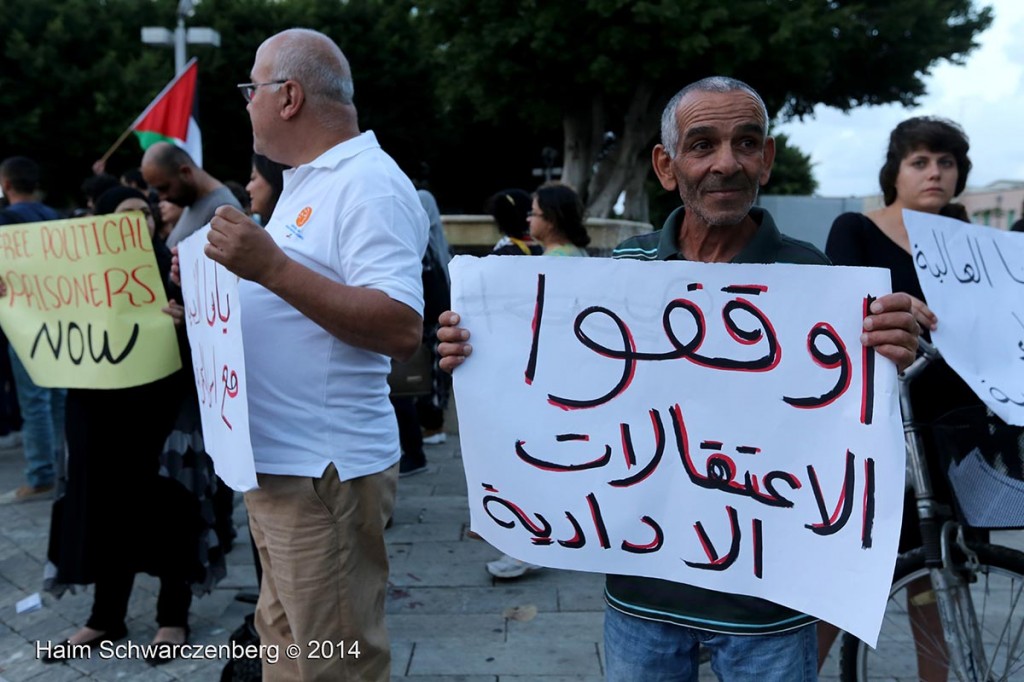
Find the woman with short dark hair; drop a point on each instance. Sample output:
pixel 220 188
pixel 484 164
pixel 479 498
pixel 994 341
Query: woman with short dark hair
pixel 926 166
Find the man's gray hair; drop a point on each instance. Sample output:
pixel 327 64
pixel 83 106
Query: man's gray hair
pixel 670 122
pixel 316 62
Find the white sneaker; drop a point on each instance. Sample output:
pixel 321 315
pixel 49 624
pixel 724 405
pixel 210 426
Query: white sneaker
pixel 509 567
pixel 435 438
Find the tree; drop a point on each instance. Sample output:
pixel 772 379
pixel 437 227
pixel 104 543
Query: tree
pixel 793 171
pixel 70 83
pixel 598 66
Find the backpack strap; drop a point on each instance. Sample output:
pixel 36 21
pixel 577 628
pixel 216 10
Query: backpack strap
pixel 522 245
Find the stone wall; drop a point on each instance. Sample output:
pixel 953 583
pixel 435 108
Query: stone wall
pixel 476 234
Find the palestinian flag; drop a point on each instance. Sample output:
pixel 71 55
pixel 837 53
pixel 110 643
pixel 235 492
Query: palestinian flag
pixel 170 117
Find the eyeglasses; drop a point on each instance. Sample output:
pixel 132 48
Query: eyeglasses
pixel 535 214
pixel 248 90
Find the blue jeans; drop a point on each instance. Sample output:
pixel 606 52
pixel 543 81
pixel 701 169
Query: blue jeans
pixel 42 433
pixel 638 650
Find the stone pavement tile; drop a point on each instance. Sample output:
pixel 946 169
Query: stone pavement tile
pixel 410 627
pixel 24 571
pixel 423 532
pixel 240 575
pixel 10 595
pixel 25 523
pixel 200 668
pixel 73 609
pixel 455 486
pixel 557 627
pixel 220 625
pixel 44 625
pixel 579 591
pixel 426 508
pixel 449 678
pixel 15 651
pixel 8 547
pixel 211 606
pixel 112 663
pixel 454 600
pixel 539 658
pixel 551 678
pixel 443 564
pixel 401 655
pixel 50 673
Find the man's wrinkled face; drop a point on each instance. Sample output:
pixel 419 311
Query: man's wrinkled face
pixel 723 156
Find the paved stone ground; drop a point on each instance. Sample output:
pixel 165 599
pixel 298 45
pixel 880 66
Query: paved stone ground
pixel 449 620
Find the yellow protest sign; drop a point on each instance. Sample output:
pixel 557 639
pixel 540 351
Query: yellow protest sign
pixel 83 303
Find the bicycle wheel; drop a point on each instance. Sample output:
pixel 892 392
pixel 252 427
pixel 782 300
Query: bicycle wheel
pixel 997 592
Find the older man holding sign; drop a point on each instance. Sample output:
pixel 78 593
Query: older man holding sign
pixel 734 391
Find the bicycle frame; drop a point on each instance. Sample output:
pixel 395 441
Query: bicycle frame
pixel 939 533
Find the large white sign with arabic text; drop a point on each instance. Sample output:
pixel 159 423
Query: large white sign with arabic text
pixel 719 425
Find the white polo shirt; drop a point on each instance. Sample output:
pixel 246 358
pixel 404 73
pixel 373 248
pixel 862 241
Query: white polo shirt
pixel 353 216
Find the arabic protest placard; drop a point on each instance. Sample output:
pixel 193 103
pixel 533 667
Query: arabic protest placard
pixel 84 302
pixel 213 320
pixel 973 279
pixel 712 424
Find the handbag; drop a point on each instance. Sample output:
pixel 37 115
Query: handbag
pixel 415 376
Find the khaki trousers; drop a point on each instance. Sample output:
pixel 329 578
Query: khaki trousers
pixel 325 573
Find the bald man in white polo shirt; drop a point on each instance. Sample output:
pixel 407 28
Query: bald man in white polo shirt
pixel 331 290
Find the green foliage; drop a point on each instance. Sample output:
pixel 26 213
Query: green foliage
pixel 68 83
pixel 554 65
pixel 542 57
pixel 75 74
pixel 793 172
pixel 475 88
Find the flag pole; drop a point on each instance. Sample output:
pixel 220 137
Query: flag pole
pixel 128 131
pixel 124 136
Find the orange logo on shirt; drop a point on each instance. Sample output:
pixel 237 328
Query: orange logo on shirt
pixel 303 216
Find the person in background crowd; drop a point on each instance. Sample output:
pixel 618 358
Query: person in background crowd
pixel 510 209
pixel 41 408
pixel 1018 225
pixel 94 186
pixel 118 516
pixel 955 210
pixel 421 419
pixel 242 196
pixel 266 182
pixel 176 178
pixel 556 221
pixel 174 175
pixel 133 178
pixel 430 408
pixel 169 213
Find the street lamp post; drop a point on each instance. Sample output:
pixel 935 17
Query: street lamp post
pixel 181 36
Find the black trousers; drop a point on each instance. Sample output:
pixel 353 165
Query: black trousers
pixel 110 604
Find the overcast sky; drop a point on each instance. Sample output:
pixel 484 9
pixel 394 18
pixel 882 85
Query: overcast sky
pixel 985 96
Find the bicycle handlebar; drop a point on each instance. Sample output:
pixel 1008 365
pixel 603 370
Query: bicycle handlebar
pixel 927 353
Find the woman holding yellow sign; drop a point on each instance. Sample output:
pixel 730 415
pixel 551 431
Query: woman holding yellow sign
pixel 118 515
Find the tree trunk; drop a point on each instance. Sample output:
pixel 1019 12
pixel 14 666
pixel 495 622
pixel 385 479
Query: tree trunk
pixel 638 205
pixel 626 160
pixel 583 129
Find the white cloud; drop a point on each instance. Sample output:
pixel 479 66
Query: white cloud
pixel 985 96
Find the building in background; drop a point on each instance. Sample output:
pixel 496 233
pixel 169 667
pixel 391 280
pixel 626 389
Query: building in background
pixel 808 218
